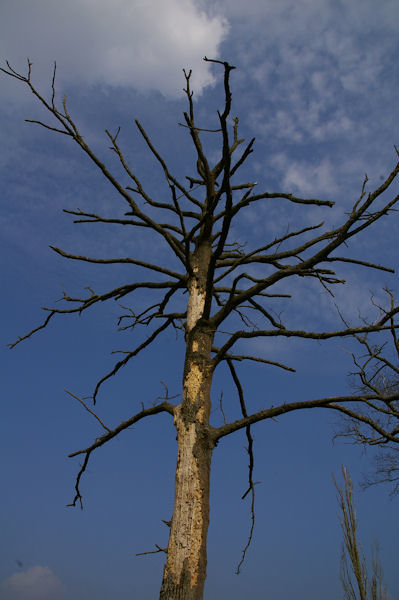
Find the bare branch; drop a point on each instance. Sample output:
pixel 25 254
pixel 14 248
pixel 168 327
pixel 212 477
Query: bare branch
pixel 280 332
pixel 254 257
pixel 168 175
pixel 131 261
pixel 292 198
pixel 94 218
pixel 48 127
pixel 359 262
pixel 131 354
pixel 89 410
pixel 240 357
pixel 145 412
pixel 251 485
pixel 158 549
pixel 28 335
pixel 333 402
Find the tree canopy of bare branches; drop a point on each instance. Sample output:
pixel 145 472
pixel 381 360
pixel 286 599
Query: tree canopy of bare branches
pixel 377 373
pixel 230 294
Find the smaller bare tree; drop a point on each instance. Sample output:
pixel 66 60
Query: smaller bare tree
pixel 353 563
pixel 377 372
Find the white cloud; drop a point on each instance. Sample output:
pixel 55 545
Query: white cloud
pixel 133 43
pixel 307 178
pixel 36 583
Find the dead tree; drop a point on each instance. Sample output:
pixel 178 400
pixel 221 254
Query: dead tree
pixel 224 288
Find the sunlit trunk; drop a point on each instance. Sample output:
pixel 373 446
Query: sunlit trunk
pixel 185 568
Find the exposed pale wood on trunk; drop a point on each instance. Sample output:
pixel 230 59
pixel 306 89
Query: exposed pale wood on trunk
pixel 185 568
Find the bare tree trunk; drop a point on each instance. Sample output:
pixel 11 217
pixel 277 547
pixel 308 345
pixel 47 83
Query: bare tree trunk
pixel 185 568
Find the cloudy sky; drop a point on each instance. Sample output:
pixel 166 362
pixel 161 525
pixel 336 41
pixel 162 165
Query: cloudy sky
pixel 317 84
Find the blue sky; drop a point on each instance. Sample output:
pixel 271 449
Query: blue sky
pixel 317 84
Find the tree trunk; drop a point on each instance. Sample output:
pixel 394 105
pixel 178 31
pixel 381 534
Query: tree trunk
pixel 185 568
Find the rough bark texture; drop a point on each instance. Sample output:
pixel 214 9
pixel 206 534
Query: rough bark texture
pixel 185 568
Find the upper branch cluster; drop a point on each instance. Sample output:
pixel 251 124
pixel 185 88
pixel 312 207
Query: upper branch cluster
pixel 206 218
pixel 199 213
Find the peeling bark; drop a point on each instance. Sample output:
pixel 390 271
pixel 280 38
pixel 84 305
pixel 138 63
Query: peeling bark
pixel 185 568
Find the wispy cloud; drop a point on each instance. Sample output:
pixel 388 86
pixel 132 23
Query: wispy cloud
pixel 36 583
pixel 317 72
pixel 306 177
